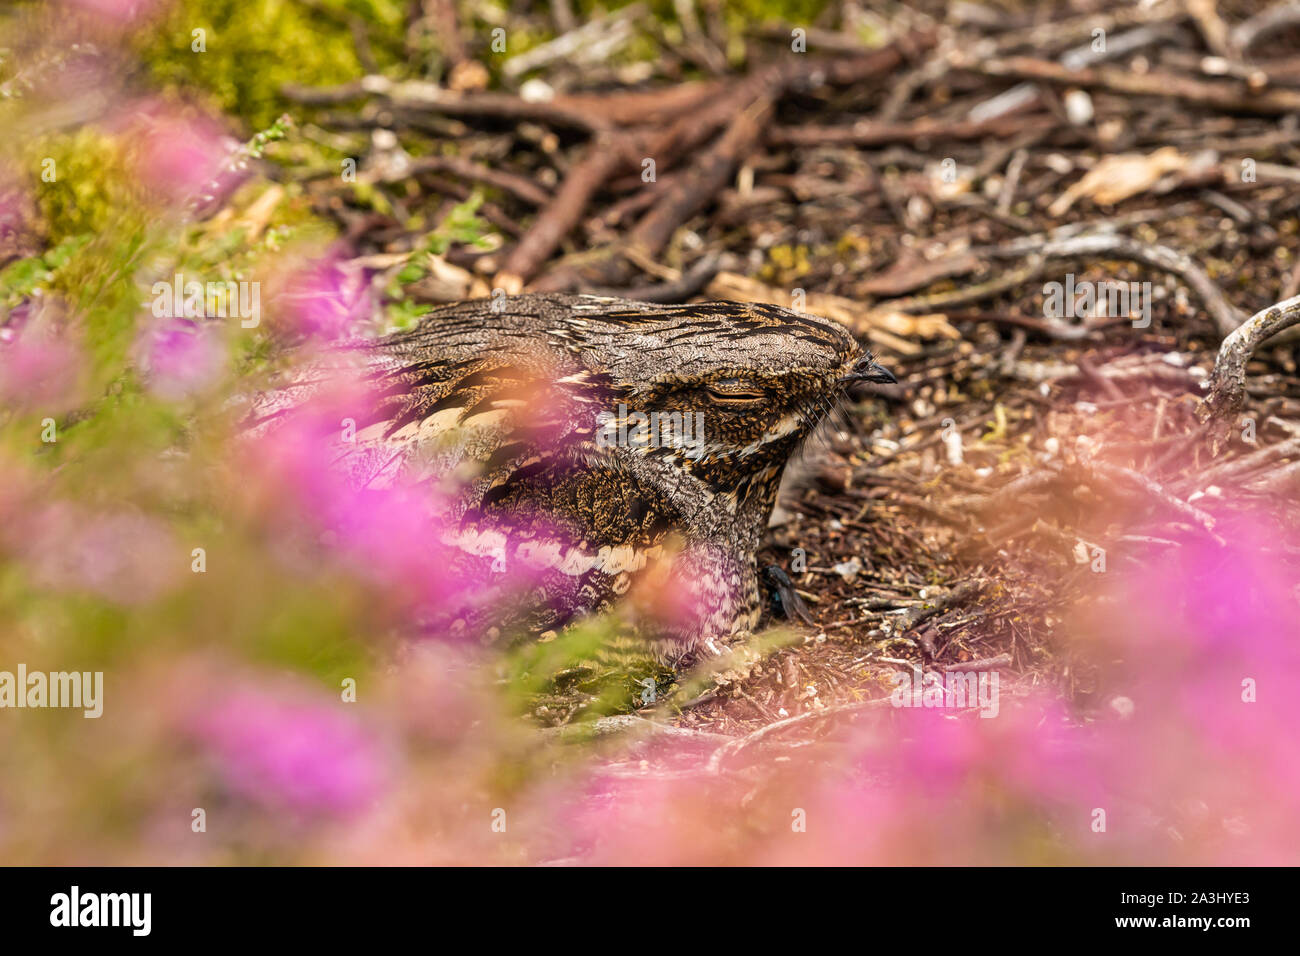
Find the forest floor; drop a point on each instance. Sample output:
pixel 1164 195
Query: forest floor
pixel 927 193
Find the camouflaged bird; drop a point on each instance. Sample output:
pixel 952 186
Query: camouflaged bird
pixel 538 411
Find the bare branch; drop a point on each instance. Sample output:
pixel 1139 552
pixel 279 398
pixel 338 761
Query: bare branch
pixel 1228 382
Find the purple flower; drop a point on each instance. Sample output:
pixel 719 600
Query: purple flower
pixel 180 358
pixel 328 299
pixel 120 12
pixel 180 156
pixel 329 487
pixel 125 558
pixel 288 749
pixel 38 370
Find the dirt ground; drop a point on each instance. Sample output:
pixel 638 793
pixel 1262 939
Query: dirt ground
pixel 928 193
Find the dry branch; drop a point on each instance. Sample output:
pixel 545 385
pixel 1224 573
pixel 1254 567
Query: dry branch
pixel 1228 382
pixel 1224 96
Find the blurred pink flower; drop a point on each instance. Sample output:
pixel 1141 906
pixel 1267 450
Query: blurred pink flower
pixel 1210 654
pixel 659 819
pixel 180 357
pixel 181 157
pixel 125 558
pixel 288 749
pixel 39 370
pixel 327 299
pixel 320 499
pixel 122 12
pixel 329 488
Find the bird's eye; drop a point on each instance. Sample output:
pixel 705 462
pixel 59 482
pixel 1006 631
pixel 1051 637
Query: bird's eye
pixel 735 391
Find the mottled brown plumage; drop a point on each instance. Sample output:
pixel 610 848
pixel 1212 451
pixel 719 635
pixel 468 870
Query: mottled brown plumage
pixel 520 400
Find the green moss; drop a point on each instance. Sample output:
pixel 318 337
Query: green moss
pixel 92 183
pixel 104 232
pixel 785 264
pixel 253 47
pixel 796 12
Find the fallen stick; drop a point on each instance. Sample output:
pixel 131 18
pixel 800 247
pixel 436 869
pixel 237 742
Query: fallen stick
pixel 607 157
pixel 1228 380
pixel 743 109
pixel 604 157
pixel 1119 477
pixel 688 192
pixel 594 41
pixel 683 287
pixel 1224 96
pixel 733 747
pixel 1238 469
pixel 1273 20
pixel 1227 317
pixel 980 664
pixel 422 97
pixel 915 615
pixel 872 133
pixel 628 723
pixel 517 186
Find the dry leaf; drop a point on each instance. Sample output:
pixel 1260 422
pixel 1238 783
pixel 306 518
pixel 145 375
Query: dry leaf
pixel 1116 178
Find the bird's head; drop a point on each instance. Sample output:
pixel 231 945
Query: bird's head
pixel 722 391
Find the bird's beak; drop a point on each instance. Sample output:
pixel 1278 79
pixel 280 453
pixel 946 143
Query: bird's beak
pixel 868 371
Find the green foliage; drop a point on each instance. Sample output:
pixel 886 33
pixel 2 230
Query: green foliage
pixel 461 226
pixel 23 277
pixel 93 185
pixel 256 46
pixel 593 669
pixel 794 12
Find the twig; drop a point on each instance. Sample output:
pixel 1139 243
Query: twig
pixel 733 747
pixel 1237 467
pixel 1227 317
pixel 1272 102
pixel 621 723
pixel 1250 31
pixel 914 616
pixel 686 286
pixel 518 186
pixel 1120 477
pixel 744 110
pixel 1228 381
pixel 980 664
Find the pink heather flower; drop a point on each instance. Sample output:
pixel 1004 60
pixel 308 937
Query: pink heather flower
pixel 1211 656
pixel 657 820
pixel 124 558
pixel 39 371
pixel 333 492
pixel 327 299
pixel 180 358
pixel 930 788
pixel 292 750
pixel 123 11
pixel 386 536
pixel 180 157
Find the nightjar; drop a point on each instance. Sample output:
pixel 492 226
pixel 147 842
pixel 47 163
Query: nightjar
pixel 612 449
